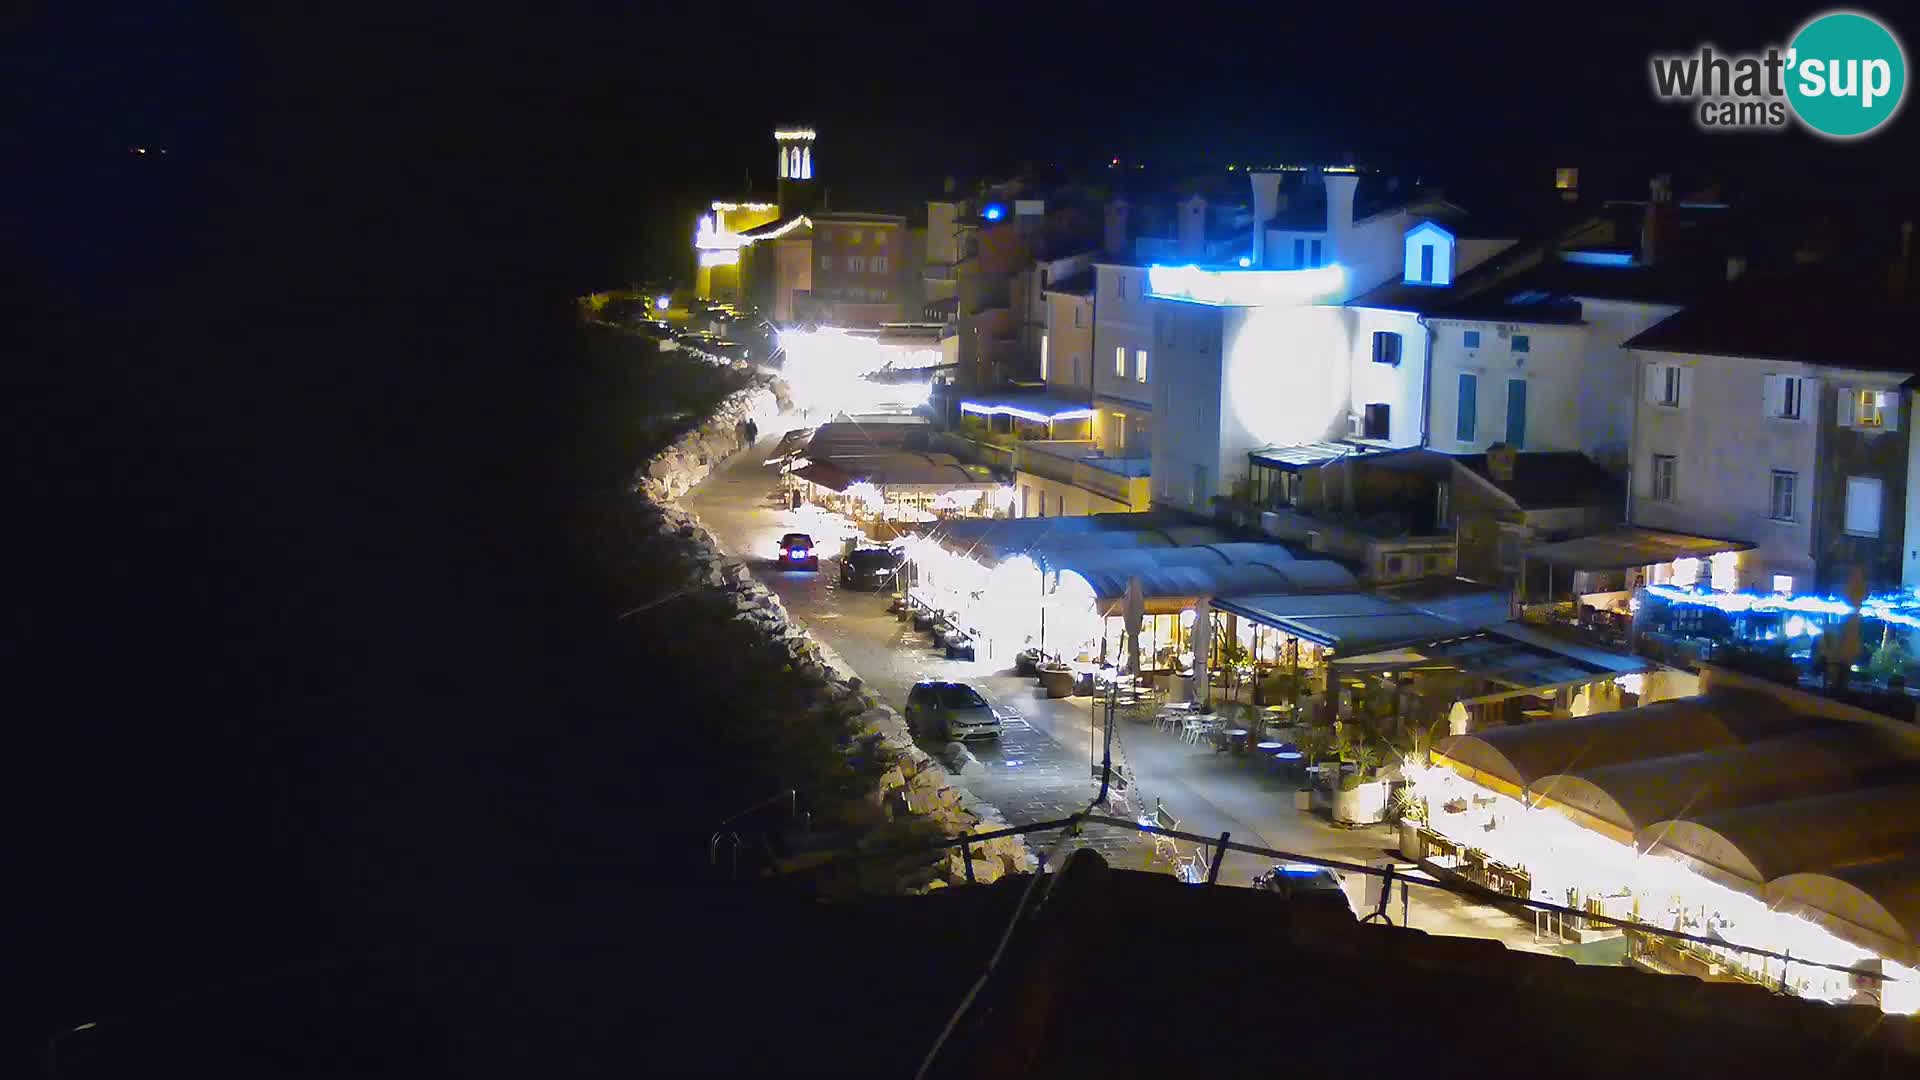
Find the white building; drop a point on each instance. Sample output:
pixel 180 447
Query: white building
pixel 1762 420
pixel 1122 364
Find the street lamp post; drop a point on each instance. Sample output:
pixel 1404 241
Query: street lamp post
pixel 53 1046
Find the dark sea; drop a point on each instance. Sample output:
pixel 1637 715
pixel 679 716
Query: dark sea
pixel 328 756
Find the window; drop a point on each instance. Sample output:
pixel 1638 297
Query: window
pixel 853 236
pixel 1784 394
pixel 1669 385
pixel 1120 291
pixel 1426 263
pixel 1780 500
pixel 826 262
pixel 1198 496
pixel 1299 253
pixel 1140 364
pixel 1465 413
pixel 1473 339
pixel 877 264
pixel 1120 361
pixel 1060 505
pixel 1517 413
pixel 1026 501
pixel 1870 410
pixel 1522 343
pixel 1396 566
pixel 1386 348
pixel 857 264
pixel 1076 318
pixel 1783 584
pixel 1118 430
pixel 1076 371
pixel 1314 253
pixel 1863 506
pixel 1664 468
pixel 1376 424
pixel 1043 357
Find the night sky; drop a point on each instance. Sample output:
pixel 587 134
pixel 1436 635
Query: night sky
pixel 294 409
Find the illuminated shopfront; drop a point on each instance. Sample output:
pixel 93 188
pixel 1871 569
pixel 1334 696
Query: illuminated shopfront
pixel 1706 831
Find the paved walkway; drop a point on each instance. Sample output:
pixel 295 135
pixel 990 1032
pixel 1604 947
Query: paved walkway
pixel 1041 768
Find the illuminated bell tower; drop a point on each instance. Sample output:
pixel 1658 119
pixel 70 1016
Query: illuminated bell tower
pixel 795 170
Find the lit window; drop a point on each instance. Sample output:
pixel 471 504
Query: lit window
pixel 1686 572
pixel 1783 584
pixel 1665 466
pixel 1723 571
pixel 1473 339
pixel 857 264
pixel 1863 506
pixel 878 264
pixel 1870 408
pixel 1780 502
pixel 1386 348
pixel 1120 361
pixel 1140 364
pixel 1043 357
pixel 1522 343
pixel 853 236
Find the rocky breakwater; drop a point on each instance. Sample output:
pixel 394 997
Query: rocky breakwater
pixel 899 795
pixel 687 461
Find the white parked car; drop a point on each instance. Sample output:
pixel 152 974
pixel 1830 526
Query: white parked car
pixel 950 710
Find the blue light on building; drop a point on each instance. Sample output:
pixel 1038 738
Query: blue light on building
pixel 994 212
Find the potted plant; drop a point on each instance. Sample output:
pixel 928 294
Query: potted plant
pixel 1359 796
pixel 1056 677
pixel 1412 811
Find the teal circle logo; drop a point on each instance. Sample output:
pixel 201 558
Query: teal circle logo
pixel 1846 74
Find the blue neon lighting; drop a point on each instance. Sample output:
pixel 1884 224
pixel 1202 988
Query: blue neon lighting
pixel 1246 288
pixel 994 212
pixel 1900 609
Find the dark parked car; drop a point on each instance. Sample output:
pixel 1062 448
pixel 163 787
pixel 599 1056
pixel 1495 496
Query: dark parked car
pixel 797 552
pixel 869 568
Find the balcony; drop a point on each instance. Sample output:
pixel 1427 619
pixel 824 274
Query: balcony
pixel 1081 464
pixel 937 272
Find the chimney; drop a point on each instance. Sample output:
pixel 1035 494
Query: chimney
pixel 1340 189
pixel 1193 228
pixel 1736 265
pixel 1657 228
pixel 1118 230
pixel 1266 203
pixel 1500 459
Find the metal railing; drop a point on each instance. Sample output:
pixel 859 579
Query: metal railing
pixel 1224 843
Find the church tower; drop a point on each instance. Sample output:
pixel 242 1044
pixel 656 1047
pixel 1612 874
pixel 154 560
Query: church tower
pixel 797 187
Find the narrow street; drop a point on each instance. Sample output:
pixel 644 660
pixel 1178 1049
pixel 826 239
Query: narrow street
pixel 1042 766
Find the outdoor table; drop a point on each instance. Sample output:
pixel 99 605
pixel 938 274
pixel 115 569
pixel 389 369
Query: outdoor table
pixel 1237 740
pixel 1270 747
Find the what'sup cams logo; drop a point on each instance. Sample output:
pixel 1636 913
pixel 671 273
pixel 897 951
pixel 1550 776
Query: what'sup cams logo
pixel 1843 75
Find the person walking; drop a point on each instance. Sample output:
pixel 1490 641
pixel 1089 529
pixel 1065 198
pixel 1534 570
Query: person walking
pixel 753 433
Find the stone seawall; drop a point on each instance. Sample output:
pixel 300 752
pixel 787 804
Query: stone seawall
pixel 914 786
